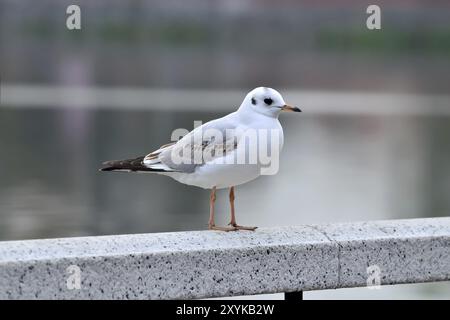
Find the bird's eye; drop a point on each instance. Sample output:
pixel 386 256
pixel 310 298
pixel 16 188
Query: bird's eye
pixel 253 101
pixel 268 101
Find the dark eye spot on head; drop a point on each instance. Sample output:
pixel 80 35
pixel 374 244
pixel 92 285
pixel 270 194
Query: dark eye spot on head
pixel 253 101
pixel 268 101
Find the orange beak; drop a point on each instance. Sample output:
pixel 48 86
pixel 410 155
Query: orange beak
pixel 289 108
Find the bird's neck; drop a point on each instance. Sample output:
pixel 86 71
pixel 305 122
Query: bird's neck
pixel 248 115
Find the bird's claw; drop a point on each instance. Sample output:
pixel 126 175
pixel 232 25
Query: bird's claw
pixel 238 227
pixel 226 229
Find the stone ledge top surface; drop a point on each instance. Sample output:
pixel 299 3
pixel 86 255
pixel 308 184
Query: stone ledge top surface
pixel 116 245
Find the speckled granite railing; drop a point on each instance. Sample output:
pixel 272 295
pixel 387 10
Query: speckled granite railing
pixel 203 264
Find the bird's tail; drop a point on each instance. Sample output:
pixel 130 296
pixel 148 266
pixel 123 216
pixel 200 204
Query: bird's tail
pixel 129 165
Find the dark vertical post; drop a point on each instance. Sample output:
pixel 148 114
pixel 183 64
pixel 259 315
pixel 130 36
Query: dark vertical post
pixel 293 296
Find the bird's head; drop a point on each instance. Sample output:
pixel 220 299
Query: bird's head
pixel 267 101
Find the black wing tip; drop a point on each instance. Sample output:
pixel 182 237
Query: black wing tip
pixel 113 169
pixel 129 165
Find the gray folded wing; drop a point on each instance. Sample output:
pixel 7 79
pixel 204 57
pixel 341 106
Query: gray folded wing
pixel 207 142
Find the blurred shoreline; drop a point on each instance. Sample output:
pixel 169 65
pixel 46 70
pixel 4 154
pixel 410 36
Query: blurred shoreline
pixel 159 99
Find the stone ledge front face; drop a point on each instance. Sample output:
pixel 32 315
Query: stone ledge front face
pixel 202 264
pixel 401 251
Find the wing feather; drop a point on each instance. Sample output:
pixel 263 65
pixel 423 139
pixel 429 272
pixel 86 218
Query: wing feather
pixel 192 148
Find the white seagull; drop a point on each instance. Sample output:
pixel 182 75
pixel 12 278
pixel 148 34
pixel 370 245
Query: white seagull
pixel 258 112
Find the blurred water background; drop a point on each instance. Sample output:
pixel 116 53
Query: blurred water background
pixel 387 157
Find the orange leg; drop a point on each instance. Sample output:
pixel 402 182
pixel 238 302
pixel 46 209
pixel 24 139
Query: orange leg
pixel 233 216
pixel 211 224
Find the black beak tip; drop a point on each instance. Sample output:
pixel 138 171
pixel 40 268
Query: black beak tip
pixel 297 109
